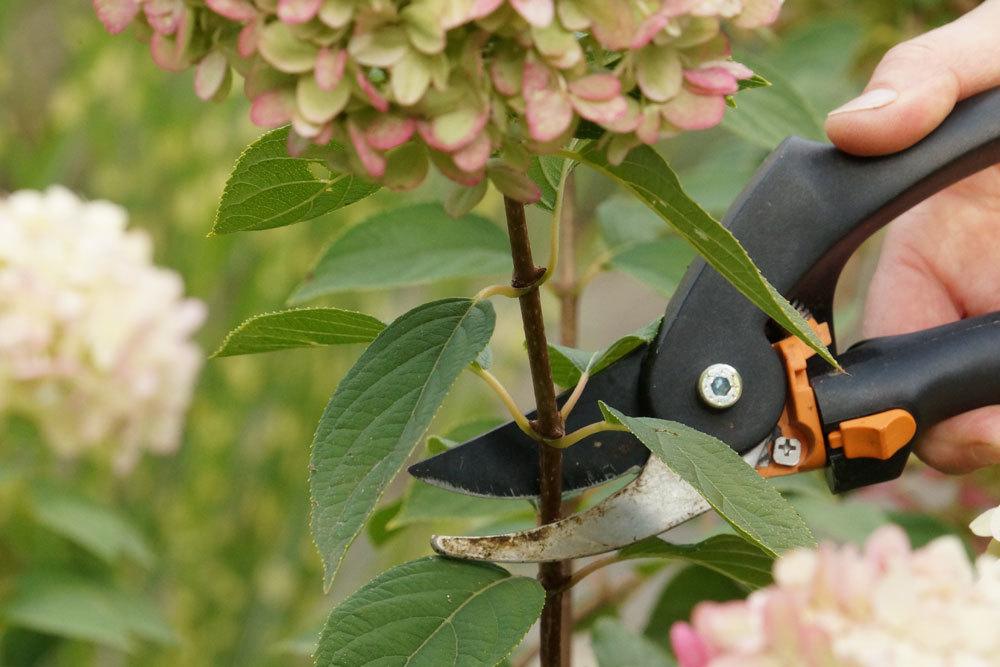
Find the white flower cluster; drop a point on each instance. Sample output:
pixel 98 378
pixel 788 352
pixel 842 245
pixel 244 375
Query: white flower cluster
pixel 94 339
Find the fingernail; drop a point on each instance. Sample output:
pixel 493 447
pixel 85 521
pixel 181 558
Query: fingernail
pixel 873 99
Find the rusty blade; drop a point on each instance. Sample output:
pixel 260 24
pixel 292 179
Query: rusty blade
pixel 656 501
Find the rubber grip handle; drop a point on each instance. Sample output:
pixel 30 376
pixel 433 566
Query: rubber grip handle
pixel 933 374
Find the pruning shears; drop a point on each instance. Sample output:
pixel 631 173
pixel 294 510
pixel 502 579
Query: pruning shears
pixel 719 365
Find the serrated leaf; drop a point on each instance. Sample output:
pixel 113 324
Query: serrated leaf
pixel 299 327
pixel 546 172
pixel 432 612
pixel 568 363
pixel 644 173
pixel 407 246
pixel 615 646
pixel 378 530
pixel 381 410
pixel 743 498
pixel 70 606
pixel 768 115
pixel 100 530
pixel 730 555
pixel 269 188
pixel 660 264
pixel 678 598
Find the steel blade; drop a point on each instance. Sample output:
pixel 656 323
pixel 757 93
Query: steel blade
pixel 504 462
pixel 656 501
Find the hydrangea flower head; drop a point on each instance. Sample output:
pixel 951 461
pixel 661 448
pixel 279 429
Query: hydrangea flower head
pixel 94 339
pixel 472 86
pixel 885 604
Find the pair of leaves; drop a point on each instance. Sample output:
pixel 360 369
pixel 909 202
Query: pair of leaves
pixel 746 501
pixel 432 612
pixel 380 411
pixel 70 606
pixel 568 363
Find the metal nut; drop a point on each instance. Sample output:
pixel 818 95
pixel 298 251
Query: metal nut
pixel 787 451
pixel 720 386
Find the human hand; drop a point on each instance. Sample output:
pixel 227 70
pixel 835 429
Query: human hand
pixel 940 261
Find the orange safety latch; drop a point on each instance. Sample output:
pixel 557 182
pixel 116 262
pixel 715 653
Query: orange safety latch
pixel 800 419
pixel 877 436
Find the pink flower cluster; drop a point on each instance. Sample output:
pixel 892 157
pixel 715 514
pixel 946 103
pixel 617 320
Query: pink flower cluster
pixel 881 606
pixel 402 83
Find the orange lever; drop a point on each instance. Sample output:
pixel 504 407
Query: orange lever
pixel 877 436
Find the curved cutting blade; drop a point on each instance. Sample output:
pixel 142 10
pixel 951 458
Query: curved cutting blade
pixel 656 501
pixel 504 462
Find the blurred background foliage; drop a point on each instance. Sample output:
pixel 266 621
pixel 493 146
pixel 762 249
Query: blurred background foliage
pixel 207 552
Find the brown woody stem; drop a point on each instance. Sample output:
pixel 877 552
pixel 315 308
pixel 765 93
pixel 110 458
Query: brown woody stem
pixel 554 642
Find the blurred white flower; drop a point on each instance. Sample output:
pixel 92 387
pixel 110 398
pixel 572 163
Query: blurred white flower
pixel 94 339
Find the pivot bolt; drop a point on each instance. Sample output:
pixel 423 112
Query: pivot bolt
pixel 787 451
pixel 720 386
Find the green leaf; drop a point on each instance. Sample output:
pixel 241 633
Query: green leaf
pixel 380 411
pixel 432 612
pixel 614 646
pixel 407 246
pixel 730 555
pixel 100 530
pixel 268 188
pixel 743 498
pixel 378 528
pixel 299 327
pixel 648 177
pixel 660 264
pixel 624 221
pixel 678 598
pixel 767 116
pixel 568 363
pixel 756 81
pixel 546 172
pixel 70 606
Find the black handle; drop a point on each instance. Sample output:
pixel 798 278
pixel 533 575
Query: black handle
pixel 932 374
pixel 800 218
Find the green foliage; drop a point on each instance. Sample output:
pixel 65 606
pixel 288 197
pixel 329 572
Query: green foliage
pixel 546 171
pixel 660 264
pixel 100 530
pixel 432 612
pixel 679 596
pixel 729 555
pixel 268 188
pixel 645 174
pixel 746 501
pixel 408 245
pixel 380 411
pixel 568 364
pixel 614 646
pixel 299 327
pixel 77 608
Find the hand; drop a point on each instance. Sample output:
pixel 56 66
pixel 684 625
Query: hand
pixel 941 260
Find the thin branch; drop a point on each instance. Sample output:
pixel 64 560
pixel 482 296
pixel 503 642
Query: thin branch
pixel 576 436
pixel 500 290
pixel 557 216
pixel 570 403
pixel 590 568
pixel 508 400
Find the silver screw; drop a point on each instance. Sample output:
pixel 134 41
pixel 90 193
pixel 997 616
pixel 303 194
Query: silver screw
pixel 787 451
pixel 720 386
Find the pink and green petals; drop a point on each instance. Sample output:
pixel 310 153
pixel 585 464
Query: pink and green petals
pixel 757 13
pixel 596 87
pixel 406 167
pixel 164 16
pixel 336 13
pixel 690 111
pixel 298 11
pixel 388 131
pixel 247 40
pixel 453 130
pixel 473 157
pixel 317 105
pixel 379 48
pixel 372 161
pixel 329 68
pixel 370 92
pixel 272 109
pixel 513 183
pixel 284 51
pixel 241 11
pixel 711 81
pixel 548 113
pixel 116 15
pixel 658 72
pixel 212 76
pixel 170 52
pixel 410 78
pixel 538 13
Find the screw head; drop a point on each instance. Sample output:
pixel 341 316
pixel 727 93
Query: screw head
pixel 786 451
pixel 720 386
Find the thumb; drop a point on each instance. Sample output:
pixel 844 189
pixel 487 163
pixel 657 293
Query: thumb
pixel 918 82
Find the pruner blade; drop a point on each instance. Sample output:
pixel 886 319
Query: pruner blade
pixel 653 503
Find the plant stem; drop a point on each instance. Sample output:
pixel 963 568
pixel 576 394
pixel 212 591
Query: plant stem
pixel 553 641
pixel 505 397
